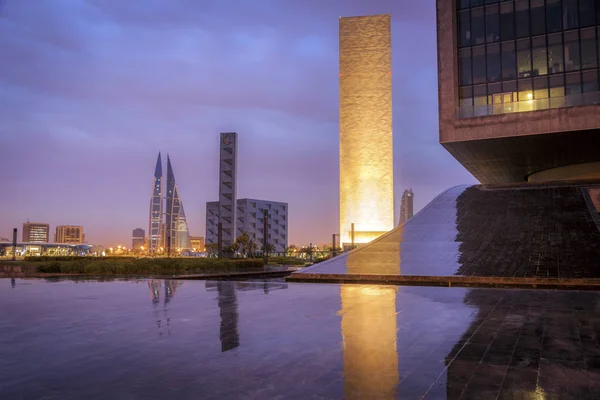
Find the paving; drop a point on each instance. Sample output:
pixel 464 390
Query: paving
pixel 533 231
pixel 271 339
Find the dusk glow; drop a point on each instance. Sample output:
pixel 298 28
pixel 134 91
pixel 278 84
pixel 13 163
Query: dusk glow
pixel 91 91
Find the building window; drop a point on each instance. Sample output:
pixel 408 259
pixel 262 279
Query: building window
pixel 477 26
pixel 525 89
pixel 573 84
pixel 586 13
pixel 540 88
pixel 572 59
pixel 570 14
pixel 524 58
pixel 555 53
pixel 464 27
pixel 590 81
pixel 553 17
pixel 507 21
pixel 494 73
pixel 540 60
pixel 509 62
pixel 479 71
pixel 492 24
pixel 479 95
pixel 538 17
pixel 557 86
pixel 589 55
pixel 465 66
pixel 522 18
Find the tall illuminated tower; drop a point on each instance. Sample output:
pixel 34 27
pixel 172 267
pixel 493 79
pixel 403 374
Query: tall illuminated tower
pixel 366 159
pixel 176 233
pixel 156 209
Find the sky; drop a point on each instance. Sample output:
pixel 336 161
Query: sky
pixel 92 90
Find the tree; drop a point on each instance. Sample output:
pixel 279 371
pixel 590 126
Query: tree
pixel 242 243
pixel 290 250
pixel 212 249
pixel 269 248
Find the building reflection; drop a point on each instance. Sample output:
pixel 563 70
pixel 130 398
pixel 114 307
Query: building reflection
pixel 163 323
pixel 228 306
pixel 369 330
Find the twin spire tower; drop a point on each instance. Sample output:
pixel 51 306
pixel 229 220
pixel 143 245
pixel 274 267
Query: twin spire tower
pixel 171 234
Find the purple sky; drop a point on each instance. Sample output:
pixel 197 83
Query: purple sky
pixel 91 90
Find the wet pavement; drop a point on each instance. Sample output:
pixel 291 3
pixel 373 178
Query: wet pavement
pixel 262 340
pixel 529 231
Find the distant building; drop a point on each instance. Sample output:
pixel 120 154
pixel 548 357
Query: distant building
pixel 250 220
pixel 155 237
pixel 228 187
pixel 138 238
pixel 34 232
pixel 177 234
pixel 197 243
pixel 72 234
pixel 406 207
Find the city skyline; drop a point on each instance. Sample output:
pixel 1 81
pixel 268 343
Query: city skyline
pixel 104 108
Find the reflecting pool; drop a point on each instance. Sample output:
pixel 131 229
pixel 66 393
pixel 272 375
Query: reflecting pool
pixel 270 339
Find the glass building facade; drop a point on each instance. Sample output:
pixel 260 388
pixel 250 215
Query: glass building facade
pixel 156 209
pixel 177 234
pixel 526 55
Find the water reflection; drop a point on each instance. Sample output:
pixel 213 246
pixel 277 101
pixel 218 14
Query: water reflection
pixel 228 306
pixel 369 340
pixel 163 323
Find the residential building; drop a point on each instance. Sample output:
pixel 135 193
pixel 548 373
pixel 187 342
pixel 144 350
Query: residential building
pixel 138 239
pixel 250 220
pixel 406 206
pixel 177 234
pixel 366 158
pixel 34 232
pixel 228 187
pixel 155 232
pixel 197 243
pixel 72 234
pixel 519 98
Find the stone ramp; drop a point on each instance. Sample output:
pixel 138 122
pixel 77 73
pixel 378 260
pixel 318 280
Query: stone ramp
pixel 545 233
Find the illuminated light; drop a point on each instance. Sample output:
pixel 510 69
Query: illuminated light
pixel 530 96
pixel 341 74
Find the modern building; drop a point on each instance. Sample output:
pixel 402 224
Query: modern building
pixel 406 206
pixel 197 243
pixel 34 232
pixel 138 239
pixel 155 232
pixel 72 234
pixel 228 187
pixel 250 220
pixel 177 234
pixel 366 159
pixel 519 97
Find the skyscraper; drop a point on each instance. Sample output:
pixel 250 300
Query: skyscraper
pixel 177 234
pixel 366 159
pixel 72 234
pixel 34 232
pixel 406 207
pixel 156 209
pixel 138 238
pixel 228 187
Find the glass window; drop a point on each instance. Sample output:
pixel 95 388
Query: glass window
pixel 479 71
pixel 494 88
pixel 463 4
pixel 479 95
pixel 573 84
pixel 570 14
pixel 590 81
pixel 477 26
pixel 523 58
pixel 492 24
pixel 507 21
pixel 509 62
pixel 538 17
pixel 540 61
pixel 491 1
pixel 494 72
pixel 466 96
pixel 475 3
pixel 557 85
pixel 464 28
pixel 572 58
pixel 540 88
pixel 553 23
pixel 522 18
pixel 525 89
pixel 465 66
pixel 588 48
pixel 555 53
pixel 586 13
pixel 509 86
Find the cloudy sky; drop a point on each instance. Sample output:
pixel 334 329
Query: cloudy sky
pixel 91 90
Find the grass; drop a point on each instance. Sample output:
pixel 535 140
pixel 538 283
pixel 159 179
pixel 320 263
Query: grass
pixel 141 266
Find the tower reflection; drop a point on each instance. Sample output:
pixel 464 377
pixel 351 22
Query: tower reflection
pixel 227 300
pixel 170 288
pixel 369 329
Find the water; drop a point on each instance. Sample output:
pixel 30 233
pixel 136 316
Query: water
pixel 260 340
